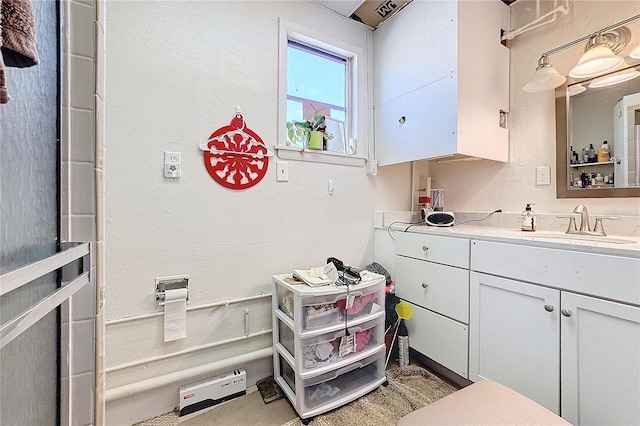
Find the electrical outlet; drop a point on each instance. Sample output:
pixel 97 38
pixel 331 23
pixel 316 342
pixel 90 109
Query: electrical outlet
pixel 543 175
pixel 172 164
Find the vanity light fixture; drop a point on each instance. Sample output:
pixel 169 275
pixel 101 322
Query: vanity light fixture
pixel 576 89
pixel 600 54
pixel 545 77
pixel 615 78
pixel 600 57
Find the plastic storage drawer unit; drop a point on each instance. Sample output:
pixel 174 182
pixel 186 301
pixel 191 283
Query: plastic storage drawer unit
pixel 328 342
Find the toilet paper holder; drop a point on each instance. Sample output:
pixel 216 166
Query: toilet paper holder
pixel 164 284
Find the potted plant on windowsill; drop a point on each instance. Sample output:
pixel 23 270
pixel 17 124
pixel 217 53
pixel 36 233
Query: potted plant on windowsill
pixel 309 132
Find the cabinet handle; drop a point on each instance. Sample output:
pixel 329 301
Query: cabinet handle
pixel 425 248
pixel 402 119
pixel 425 285
pixel 566 312
pixel 548 308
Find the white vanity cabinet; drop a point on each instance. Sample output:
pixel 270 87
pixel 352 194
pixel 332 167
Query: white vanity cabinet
pixel 432 274
pixel 600 346
pixel 441 81
pixel 559 326
pixel 514 337
pixel 328 342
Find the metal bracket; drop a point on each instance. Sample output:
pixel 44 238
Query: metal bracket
pixel 175 282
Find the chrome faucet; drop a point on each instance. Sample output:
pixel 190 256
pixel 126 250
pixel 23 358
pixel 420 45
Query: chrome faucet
pixel 584 218
pixel 585 227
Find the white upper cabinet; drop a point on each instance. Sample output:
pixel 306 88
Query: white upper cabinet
pixel 441 79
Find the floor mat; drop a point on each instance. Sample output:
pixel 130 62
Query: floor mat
pixel 269 390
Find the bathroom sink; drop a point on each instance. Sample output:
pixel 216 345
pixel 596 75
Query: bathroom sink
pixel 595 238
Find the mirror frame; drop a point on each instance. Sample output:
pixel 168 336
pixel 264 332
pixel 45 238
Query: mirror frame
pixel 562 158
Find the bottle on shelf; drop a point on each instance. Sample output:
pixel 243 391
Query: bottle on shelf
pixel 604 154
pixel 585 155
pixel 593 156
pixel 528 219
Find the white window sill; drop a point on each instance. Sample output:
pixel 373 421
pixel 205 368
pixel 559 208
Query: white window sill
pixel 317 156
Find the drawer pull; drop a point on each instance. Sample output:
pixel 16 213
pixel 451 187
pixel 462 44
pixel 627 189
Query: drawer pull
pixel 548 308
pixel 566 312
pixel 425 248
pixel 425 285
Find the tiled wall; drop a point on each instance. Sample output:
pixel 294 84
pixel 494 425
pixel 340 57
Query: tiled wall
pixel 78 200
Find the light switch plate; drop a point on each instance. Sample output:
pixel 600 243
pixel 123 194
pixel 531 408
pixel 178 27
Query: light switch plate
pixel 282 171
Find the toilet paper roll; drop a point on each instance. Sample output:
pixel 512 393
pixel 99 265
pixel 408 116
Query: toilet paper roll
pixel 175 314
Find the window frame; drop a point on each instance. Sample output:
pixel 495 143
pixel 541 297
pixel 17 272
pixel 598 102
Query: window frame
pixel 356 91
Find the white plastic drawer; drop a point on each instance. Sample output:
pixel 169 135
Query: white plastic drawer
pixel 321 351
pixel 287 373
pixel 440 288
pixel 434 248
pixel 285 300
pixel 332 387
pixel 286 337
pixel 326 311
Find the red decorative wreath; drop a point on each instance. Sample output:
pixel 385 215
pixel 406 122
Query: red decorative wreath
pixel 235 156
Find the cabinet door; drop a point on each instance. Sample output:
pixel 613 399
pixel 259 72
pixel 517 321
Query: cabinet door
pixel 404 48
pixel 514 331
pixel 600 361
pixel 421 124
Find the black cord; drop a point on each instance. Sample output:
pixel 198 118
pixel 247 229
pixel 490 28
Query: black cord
pixel 478 220
pixel 414 224
pixel 406 223
pixel 346 305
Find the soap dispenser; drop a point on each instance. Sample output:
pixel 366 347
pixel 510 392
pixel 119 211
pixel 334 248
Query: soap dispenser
pixel 528 219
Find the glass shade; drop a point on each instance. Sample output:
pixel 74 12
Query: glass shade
pixel 635 52
pixel 595 61
pixel 615 78
pixel 576 89
pixel 544 78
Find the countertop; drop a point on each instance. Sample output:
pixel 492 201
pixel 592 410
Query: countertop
pixel 628 246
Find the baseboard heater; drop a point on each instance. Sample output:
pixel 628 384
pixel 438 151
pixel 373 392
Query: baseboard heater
pixel 213 391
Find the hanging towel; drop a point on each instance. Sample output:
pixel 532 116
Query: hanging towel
pixel 17 39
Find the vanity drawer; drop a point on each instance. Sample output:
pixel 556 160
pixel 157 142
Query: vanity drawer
pixel 612 277
pixel 446 250
pixel 440 288
pixel 442 339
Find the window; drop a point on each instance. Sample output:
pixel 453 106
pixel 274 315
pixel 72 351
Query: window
pixel 316 84
pixel 319 74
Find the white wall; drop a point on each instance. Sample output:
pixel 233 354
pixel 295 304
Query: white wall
pixel 175 72
pixel 485 185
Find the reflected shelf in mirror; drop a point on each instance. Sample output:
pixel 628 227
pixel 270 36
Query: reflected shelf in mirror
pixel 587 118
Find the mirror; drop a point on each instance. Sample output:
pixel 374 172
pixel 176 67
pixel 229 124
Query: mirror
pixel 586 116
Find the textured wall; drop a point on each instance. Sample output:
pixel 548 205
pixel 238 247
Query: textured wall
pixel 175 72
pixel 484 185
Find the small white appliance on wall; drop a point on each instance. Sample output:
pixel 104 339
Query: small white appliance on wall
pixel 213 391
